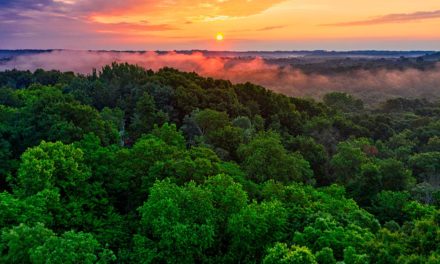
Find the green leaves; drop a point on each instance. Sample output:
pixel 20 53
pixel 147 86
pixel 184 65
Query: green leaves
pixel 37 244
pixel 180 221
pixel 72 248
pixel 101 171
pixel 343 102
pixel 281 254
pixel 254 228
pixel 265 158
pixel 51 165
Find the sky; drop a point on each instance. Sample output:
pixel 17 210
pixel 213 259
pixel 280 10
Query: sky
pixel 245 24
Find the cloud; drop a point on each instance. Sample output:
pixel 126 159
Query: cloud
pixel 26 4
pixel 53 22
pixel 373 86
pixel 132 28
pixel 271 28
pixel 224 8
pixel 391 18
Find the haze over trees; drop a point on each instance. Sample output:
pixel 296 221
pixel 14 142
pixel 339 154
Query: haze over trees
pixel 128 165
pixel 373 76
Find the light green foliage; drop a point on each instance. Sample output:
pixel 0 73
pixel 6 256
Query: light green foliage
pixel 51 165
pixel 195 164
pixel 326 232
pixel 179 223
pixel 281 254
pixel 53 176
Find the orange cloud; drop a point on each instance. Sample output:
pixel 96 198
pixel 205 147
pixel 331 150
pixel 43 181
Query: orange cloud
pixel 132 28
pixel 271 28
pixel 188 10
pixel 392 18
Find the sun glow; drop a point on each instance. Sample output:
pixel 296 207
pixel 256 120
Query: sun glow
pixel 219 37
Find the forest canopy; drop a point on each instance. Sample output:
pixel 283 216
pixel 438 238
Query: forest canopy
pixel 128 165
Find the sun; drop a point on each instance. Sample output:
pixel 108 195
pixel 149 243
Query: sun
pixel 219 37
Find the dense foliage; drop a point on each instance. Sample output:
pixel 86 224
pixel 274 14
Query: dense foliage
pixel 133 166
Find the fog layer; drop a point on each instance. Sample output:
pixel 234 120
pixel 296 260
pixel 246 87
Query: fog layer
pixel 371 85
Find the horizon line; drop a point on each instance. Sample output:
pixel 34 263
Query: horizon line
pixel 238 51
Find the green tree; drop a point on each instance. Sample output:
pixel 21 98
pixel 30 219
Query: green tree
pixel 265 158
pixel 51 165
pixel 388 205
pixel 280 253
pixel 177 224
pixel 325 256
pixel 426 167
pixel 37 244
pixel 71 248
pixel 254 228
pixel 17 243
pixel 145 116
pixel 395 176
pixel 343 102
pixel 210 120
pixel 350 256
pixel 348 160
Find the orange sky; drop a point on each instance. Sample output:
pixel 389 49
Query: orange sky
pixel 246 24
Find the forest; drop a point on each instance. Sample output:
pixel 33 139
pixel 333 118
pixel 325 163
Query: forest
pixel 129 165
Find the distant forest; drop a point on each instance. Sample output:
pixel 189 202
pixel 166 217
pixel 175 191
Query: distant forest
pixel 128 165
pixel 373 76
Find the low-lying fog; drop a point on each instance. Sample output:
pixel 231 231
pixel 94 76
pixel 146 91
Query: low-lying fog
pixel 372 85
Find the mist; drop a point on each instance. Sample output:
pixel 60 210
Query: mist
pixel 372 86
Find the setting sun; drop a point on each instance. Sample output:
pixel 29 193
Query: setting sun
pixel 219 37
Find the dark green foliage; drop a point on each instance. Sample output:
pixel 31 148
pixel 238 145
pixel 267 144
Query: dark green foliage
pixel 325 256
pixel 37 244
pixel 265 158
pixel 343 102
